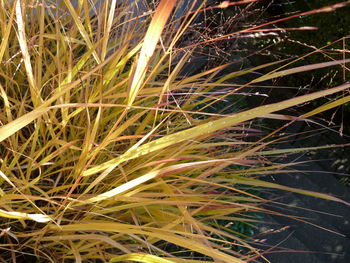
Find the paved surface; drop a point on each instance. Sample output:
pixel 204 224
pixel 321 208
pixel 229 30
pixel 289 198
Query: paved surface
pixel 326 238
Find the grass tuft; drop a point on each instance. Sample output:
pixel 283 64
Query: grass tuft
pixel 110 150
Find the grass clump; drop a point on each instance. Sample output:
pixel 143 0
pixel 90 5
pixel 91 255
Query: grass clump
pixel 108 148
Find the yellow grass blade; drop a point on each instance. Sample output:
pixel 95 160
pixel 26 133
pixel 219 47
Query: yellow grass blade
pixel 108 28
pixel 18 215
pixel 6 35
pixel 301 149
pixel 255 182
pixel 151 39
pixel 140 257
pixel 246 71
pixel 327 106
pixel 14 126
pixel 35 93
pixel 179 260
pixel 6 104
pixel 286 72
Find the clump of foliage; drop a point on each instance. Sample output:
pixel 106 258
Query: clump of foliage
pixel 108 148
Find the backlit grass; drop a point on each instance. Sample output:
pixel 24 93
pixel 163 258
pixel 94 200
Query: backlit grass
pixel 108 148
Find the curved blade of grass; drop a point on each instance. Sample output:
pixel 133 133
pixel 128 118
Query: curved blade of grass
pixel 7 107
pixel 108 28
pixel 18 215
pixel 255 182
pixel 299 69
pixel 151 39
pixel 327 106
pixel 35 93
pixel 140 257
pixel 180 260
pixel 302 149
pixel 246 71
pixel 14 126
pixel 6 34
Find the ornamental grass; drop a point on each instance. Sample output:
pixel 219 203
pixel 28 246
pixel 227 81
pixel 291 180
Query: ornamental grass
pixel 111 151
